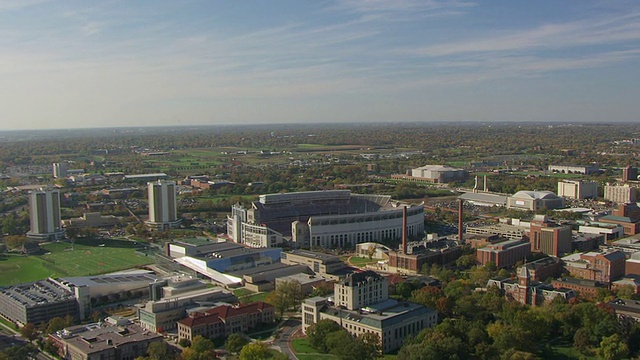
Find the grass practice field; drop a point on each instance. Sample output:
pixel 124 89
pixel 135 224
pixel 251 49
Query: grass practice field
pixel 85 258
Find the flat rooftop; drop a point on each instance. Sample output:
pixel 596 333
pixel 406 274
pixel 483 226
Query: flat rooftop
pixel 325 258
pixel 95 338
pixel 108 279
pixel 385 313
pixel 37 293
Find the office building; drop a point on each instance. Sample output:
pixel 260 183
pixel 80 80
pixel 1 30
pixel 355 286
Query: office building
pixel 620 194
pixel 578 189
pixel 550 238
pixel 163 205
pixel 44 210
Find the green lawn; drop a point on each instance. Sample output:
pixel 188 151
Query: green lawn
pixel 360 261
pixel 304 351
pixel 85 258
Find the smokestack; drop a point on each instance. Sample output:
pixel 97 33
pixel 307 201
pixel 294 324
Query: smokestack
pixel 460 238
pixel 404 230
pixel 486 188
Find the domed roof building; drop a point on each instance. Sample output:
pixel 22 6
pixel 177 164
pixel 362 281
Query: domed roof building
pixel 534 200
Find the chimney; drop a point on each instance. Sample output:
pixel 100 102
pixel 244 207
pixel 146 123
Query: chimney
pixel 460 238
pixel 404 230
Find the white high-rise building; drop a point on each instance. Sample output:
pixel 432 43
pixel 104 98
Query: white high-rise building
pixel 44 210
pixel 163 205
pixel 620 194
pixel 59 170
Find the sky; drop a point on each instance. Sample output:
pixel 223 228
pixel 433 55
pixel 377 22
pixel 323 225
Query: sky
pixel 87 64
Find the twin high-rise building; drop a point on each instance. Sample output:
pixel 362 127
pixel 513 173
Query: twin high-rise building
pixel 59 170
pixel 46 223
pixel 163 205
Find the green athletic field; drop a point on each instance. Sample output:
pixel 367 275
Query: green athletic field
pixel 85 258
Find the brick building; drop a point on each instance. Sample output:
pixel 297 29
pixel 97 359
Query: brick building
pixel 505 253
pixel 603 267
pixel 224 320
pixel 548 237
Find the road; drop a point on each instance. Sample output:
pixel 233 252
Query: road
pixel 282 342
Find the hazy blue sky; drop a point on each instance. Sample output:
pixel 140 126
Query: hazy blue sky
pixel 103 63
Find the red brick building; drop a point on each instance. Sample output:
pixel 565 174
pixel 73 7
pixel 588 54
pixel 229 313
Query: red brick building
pixel 504 254
pixel 603 267
pixel 549 238
pixel 225 320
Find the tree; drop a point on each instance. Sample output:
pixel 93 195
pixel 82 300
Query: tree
pixel 343 345
pixel 368 346
pixel 159 350
pixel 255 351
pixel 318 332
pixel 286 295
pixel 29 332
pixel 234 343
pixel 279 300
pixel 626 292
pixel 55 324
pixel 613 348
pixel 200 349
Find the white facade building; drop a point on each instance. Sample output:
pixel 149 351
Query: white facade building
pixel 578 189
pixel 620 194
pixel 163 205
pixel 44 210
pixel 439 173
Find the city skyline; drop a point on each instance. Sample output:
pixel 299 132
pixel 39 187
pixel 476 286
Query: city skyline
pixel 109 64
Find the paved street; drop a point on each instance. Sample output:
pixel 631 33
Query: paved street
pixel 282 341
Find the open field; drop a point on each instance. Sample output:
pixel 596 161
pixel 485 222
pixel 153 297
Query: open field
pixel 61 260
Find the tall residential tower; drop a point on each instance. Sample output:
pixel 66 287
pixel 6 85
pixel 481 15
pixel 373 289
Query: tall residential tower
pixel 163 205
pixel 44 210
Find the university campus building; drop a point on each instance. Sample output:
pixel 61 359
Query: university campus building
pixel 361 304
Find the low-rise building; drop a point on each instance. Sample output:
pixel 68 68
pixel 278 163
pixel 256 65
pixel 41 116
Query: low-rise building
pixel 603 267
pixel 325 265
pixel 115 338
pixel 225 320
pixel 307 282
pixel 37 302
pixel 162 315
pixel 530 292
pixel 587 289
